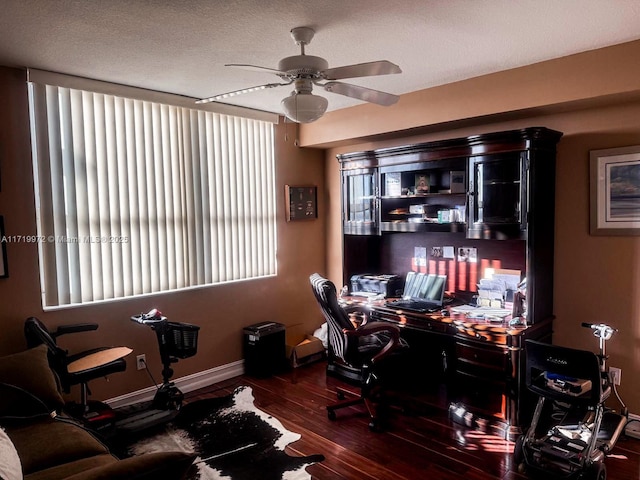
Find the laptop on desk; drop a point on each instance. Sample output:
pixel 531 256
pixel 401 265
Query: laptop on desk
pixel 422 293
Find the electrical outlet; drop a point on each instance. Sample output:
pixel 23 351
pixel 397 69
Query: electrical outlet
pixel 616 375
pixel 141 362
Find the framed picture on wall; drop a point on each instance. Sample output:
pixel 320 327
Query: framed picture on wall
pixel 615 191
pixel 4 272
pixel 301 202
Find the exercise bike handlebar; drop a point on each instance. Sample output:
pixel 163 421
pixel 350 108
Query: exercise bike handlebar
pixel 601 330
pixel 153 317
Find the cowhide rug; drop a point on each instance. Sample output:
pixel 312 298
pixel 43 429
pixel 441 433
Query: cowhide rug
pixel 233 439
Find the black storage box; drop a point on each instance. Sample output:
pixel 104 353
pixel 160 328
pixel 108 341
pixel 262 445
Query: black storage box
pixel 264 349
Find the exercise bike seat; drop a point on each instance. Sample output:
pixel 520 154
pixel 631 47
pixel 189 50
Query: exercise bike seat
pixel 77 368
pixel 97 360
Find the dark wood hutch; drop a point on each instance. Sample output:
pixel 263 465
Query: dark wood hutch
pixel 494 193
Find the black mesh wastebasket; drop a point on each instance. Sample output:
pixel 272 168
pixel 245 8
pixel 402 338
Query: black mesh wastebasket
pixel 182 339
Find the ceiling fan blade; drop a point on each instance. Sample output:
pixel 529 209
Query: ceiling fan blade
pixel 361 93
pixel 381 67
pixel 255 68
pixel 224 96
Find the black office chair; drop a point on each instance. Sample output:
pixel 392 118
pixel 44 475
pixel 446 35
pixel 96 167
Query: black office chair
pixel 372 349
pixel 80 368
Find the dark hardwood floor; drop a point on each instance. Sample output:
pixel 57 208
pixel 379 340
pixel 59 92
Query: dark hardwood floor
pixel 426 446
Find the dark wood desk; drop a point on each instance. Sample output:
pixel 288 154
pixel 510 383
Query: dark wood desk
pixel 508 194
pixel 474 367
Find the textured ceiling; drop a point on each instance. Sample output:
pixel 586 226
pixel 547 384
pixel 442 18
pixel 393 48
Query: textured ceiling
pixel 181 46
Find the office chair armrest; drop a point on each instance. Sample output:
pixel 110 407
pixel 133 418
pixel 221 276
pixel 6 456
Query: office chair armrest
pixel 358 319
pixel 375 327
pixel 76 328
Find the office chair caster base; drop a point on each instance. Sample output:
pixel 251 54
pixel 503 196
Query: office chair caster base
pixel 331 415
pixel 374 426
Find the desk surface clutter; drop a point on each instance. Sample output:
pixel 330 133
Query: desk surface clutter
pixel 485 319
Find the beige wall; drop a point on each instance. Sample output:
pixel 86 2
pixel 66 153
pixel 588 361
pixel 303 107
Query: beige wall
pixel 597 77
pixel 597 279
pixel 221 311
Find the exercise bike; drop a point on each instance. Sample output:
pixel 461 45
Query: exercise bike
pixel 175 341
pixel 571 431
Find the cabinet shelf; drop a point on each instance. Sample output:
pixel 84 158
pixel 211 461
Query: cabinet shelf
pixel 404 226
pixel 422 195
pixel 501 182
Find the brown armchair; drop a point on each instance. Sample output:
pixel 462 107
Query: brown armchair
pixel 370 349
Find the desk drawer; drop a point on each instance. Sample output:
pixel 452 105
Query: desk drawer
pixel 487 335
pixel 421 323
pixel 483 361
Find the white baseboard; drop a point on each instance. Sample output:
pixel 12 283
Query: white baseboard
pixel 186 384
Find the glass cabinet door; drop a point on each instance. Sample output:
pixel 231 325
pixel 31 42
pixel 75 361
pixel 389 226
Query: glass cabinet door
pixel 360 202
pixel 497 195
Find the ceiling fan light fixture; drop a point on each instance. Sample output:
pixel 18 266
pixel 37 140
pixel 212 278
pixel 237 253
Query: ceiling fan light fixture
pixel 304 107
pixel 308 70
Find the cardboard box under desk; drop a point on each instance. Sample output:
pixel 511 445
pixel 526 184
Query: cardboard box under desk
pixel 310 349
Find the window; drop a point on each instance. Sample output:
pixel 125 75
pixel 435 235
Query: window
pixel 136 197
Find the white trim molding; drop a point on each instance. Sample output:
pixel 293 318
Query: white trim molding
pixel 186 384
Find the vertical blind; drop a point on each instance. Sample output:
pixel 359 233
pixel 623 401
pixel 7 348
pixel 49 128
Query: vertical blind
pixel 136 197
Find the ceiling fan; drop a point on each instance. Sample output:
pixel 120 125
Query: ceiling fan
pixel 304 71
